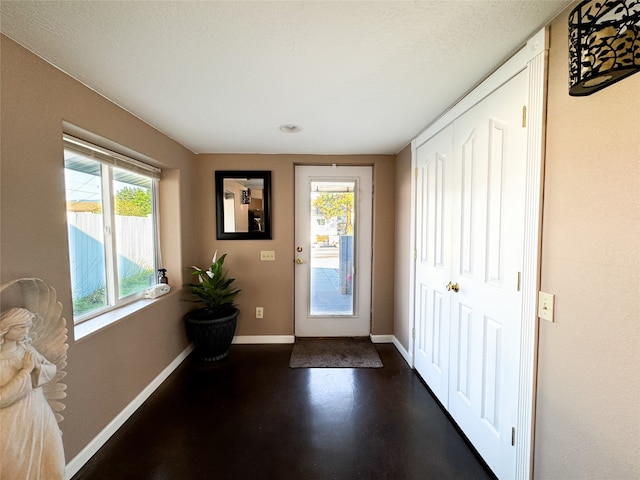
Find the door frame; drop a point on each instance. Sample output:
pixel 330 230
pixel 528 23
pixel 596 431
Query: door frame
pixel 532 58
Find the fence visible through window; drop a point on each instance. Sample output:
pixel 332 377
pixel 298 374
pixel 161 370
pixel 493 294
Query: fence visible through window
pixel 111 226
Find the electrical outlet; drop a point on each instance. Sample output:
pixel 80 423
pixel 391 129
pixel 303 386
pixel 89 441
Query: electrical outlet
pixel 267 256
pixel 545 306
pixel 259 312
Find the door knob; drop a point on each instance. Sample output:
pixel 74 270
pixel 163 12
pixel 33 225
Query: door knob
pixel 453 286
pixel 299 261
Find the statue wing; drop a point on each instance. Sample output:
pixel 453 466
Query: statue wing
pixel 48 332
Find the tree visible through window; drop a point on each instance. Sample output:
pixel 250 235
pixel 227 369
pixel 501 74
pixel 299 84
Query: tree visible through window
pixel 336 205
pixel 112 227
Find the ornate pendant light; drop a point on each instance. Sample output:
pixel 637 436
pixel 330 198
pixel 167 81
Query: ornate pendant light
pixel 604 44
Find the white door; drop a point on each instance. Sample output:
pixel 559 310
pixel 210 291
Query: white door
pixel 333 220
pixel 485 183
pixel 433 261
pixel 490 150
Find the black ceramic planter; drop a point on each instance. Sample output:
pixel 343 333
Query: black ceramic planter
pixel 211 337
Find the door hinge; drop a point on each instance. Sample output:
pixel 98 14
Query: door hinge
pixel 519 281
pixel 413 333
pixel 415 254
pixel 524 116
pixel 415 173
pixel 513 436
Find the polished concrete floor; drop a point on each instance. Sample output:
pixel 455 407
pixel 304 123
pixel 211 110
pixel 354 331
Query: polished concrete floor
pixel 250 416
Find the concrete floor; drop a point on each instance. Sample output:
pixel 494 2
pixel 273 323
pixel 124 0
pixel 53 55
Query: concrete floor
pixel 250 416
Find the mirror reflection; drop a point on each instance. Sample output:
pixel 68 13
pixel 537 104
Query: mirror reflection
pixel 242 204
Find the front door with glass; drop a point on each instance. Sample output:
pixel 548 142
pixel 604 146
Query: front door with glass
pixel 333 251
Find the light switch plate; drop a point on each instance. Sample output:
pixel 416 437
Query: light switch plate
pixel 267 256
pixel 545 306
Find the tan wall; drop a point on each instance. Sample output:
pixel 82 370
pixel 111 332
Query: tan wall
pixel 403 253
pixel 270 284
pixel 108 369
pixel 588 414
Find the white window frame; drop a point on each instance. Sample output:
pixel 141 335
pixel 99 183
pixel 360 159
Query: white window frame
pixel 108 160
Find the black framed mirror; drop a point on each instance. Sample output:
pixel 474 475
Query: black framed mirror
pixel 243 204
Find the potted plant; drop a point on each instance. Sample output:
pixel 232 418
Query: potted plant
pixel 211 327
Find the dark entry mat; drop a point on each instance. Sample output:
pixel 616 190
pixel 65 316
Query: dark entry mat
pixel 334 353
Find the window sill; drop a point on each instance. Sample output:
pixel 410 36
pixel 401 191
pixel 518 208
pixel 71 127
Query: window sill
pixel 100 322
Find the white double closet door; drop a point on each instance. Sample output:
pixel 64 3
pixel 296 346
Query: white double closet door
pixel 469 255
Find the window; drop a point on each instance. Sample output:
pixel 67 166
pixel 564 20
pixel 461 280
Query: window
pixel 111 219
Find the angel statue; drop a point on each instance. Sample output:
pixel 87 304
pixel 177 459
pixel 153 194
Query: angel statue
pixel 33 355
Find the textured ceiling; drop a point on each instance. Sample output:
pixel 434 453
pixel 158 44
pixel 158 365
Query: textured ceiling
pixel 358 77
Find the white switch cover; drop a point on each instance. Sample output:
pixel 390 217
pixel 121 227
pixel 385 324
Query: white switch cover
pixel 545 306
pixel 267 256
pixel 259 312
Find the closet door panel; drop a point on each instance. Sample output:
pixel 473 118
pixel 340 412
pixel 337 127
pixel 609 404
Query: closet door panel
pixel 433 262
pixel 489 154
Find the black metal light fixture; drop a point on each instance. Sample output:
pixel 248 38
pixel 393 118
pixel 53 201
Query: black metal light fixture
pixel 604 44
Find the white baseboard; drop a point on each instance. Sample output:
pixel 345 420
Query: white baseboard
pixel 408 356
pixel 90 450
pixel 381 338
pixel 262 339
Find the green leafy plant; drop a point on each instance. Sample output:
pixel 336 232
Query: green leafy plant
pixel 134 202
pixel 214 289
